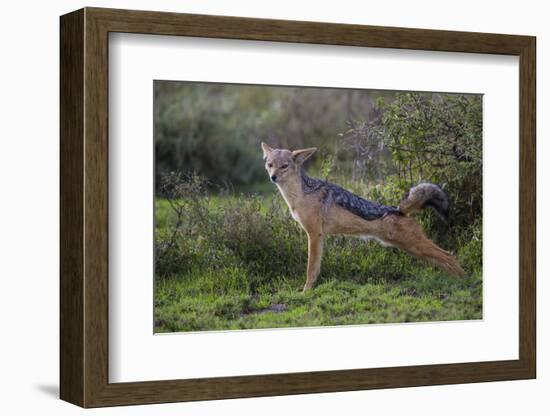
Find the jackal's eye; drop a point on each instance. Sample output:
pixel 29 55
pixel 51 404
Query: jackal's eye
pixel 270 165
pixel 284 166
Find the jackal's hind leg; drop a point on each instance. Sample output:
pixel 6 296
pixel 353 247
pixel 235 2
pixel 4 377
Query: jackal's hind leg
pixel 429 251
pixel 408 235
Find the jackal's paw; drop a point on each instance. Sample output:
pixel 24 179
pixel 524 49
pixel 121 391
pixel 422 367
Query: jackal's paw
pixel 306 288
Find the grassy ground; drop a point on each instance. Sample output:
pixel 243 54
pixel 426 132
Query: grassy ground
pixel 182 306
pixel 239 263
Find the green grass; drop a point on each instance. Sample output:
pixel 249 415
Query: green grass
pixel 239 263
pixel 183 304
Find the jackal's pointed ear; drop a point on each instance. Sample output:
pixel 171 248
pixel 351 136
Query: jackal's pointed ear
pixel 267 150
pixel 300 156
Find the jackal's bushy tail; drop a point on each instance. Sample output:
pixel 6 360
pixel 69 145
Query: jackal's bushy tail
pixel 426 195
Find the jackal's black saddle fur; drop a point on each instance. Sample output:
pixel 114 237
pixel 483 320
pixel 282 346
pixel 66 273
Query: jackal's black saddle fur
pixel 331 193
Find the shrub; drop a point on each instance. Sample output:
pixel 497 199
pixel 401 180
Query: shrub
pixel 430 137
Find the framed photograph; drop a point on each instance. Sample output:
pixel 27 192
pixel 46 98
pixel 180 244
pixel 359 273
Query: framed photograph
pixel 255 207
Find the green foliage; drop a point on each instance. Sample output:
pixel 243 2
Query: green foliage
pixel 205 130
pixel 327 167
pixel 431 137
pixel 216 129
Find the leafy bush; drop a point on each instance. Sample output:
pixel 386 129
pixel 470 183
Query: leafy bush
pixel 430 137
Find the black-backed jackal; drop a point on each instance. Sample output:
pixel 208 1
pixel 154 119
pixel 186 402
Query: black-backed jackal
pixel 322 208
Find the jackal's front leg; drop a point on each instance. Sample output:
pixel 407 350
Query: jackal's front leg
pixel 315 254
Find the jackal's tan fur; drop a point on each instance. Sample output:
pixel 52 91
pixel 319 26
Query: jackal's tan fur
pixel 319 216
